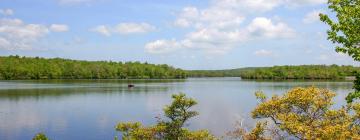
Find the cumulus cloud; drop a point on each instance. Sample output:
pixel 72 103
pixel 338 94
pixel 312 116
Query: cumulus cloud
pixel 214 16
pixel 263 52
pixel 216 39
pixel 6 12
pixel 15 34
pixel 263 27
pixel 215 36
pixel 124 28
pixel 59 28
pixel 220 26
pixel 312 16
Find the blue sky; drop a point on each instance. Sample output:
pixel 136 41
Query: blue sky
pixel 189 34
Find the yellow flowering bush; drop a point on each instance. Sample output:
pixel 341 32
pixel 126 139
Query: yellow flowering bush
pixel 306 113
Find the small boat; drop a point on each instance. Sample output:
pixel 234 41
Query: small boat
pixel 130 85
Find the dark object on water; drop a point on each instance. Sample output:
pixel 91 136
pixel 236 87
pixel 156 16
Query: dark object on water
pixel 130 85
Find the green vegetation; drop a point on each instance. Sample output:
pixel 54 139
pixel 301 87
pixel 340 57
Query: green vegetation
pixel 171 128
pixel 282 72
pixel 15 67
pixel 356 94
pixel 344 32
pixel 345 29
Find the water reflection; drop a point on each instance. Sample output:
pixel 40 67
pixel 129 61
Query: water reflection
pixel 17 90
pixel 89 109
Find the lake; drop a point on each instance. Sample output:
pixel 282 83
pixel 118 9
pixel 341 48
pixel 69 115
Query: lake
pixel 89 109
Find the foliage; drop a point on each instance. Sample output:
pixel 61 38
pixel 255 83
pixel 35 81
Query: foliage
pixel 40 136
pixel 15 67
pixel 307 113
pixel 356 94
pixel 177 113
pixel 345 29
pixel 282 72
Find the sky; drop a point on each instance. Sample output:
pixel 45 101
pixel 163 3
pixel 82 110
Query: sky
pixel 187 34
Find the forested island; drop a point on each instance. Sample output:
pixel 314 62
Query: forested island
pixel 16 67
pixel 282 72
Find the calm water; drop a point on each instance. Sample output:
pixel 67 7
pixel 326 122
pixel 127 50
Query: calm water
pixel 89 109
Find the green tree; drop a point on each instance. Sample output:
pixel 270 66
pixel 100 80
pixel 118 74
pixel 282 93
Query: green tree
pixel 356 94
pixel 171 128
pixel 344 31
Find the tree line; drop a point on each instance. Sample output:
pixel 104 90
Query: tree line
pixel 16 67
pixel 282 72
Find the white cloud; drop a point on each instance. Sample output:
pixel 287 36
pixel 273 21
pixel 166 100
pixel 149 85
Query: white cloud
pixel 215 36
pixel 263 27
pixel 210 17
pixel 102 29
pixel 6 12
pixel 59 28
pixel 220 27
pixel 131 28
pixel 263 52
pixel 16 35
pixel 162 46
pixel 124 28
pixel 312 16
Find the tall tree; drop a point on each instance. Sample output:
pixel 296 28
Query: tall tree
pixel 345 32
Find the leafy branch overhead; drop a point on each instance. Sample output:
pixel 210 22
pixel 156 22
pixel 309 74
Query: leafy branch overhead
pixel 344 31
